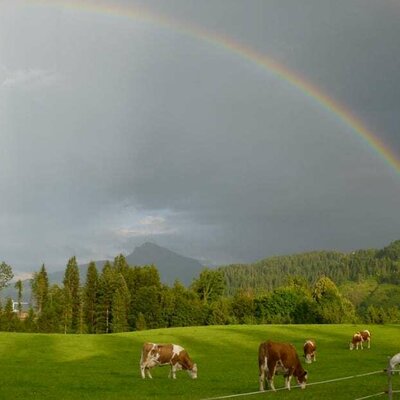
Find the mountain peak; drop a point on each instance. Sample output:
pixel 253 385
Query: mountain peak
pixel 149 246
pixel 170 265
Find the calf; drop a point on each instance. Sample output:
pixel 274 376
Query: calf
pixel 310 350
pixel 356 341
pixel 166 354
pixel 279 357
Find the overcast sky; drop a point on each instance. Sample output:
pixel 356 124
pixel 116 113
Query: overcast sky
pixel 119 130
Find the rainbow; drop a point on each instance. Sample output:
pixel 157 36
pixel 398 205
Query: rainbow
pixel 277 69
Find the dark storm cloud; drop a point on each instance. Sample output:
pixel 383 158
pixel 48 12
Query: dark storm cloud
pixel 115 131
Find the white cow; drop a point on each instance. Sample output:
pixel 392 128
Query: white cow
pixel 394 361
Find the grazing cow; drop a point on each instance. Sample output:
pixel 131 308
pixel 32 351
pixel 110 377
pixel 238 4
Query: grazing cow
pixel 276 357
pixel 394 361
pixel 310 349
pixel 356 341
pixel 359 338
pixel 366 336
pixel 166 354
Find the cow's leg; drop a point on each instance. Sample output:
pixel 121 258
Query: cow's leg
pixel 369 343
pixel 361 344
pixel 261 380
pixel 287 381
pixel 270 375
pixel 261 374
pixel 142 371
pixel 173 371
pixel 271 383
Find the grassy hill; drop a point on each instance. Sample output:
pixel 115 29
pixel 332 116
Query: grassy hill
pixel 100 367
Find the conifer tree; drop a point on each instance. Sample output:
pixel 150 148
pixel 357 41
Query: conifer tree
pixel 67 311
pixel 106 289
pixel 121 265
pixel 120 305
pixel 40 288
pixel 91 297
pixel 9 317
pixel 72 294
pixel 29 324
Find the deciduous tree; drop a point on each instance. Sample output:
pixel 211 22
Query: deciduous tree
pixel 6 274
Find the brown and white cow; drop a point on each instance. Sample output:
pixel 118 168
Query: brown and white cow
pixel 310 350
pixel 274 357
pixel 366 335
pixel 356 341
pixel 359 338
pixel 166 354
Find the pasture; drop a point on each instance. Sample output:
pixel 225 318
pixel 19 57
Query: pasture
pixel 106 367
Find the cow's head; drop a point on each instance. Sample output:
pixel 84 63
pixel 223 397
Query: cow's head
pixel 302 379
pixel 193 371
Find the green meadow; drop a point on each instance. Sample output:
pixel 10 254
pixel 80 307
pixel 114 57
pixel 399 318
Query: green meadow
pixel 80 367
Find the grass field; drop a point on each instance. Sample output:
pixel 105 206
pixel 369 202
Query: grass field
pixel 80 367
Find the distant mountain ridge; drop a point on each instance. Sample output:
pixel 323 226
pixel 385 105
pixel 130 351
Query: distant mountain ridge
pixel 170 265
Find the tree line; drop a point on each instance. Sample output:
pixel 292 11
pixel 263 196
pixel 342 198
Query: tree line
pixel 383 265
pixel 123 298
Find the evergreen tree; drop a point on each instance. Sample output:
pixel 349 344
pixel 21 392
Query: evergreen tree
pixel 91 297
pixel 29 324
pixel 106 290
pixel 121 265
pixel 148 303
pixel 141 323
pixel 40 288
pixel 51 319
pixel 9 317
pixel 72 294
pixel 120 305
pixel 82 327
pixel 67 310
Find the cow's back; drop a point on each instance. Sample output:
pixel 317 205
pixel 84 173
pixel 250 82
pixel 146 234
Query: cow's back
pixel 285 352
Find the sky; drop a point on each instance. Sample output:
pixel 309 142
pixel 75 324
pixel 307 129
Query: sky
pixel 123 122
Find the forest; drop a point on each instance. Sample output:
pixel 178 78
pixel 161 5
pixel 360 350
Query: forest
pixel 316 287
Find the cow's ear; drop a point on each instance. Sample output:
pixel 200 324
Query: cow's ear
pixel 305 374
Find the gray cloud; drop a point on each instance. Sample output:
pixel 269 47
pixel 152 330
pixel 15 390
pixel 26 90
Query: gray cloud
pixel 115 131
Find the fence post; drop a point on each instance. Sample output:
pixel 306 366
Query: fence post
pixel 389 372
